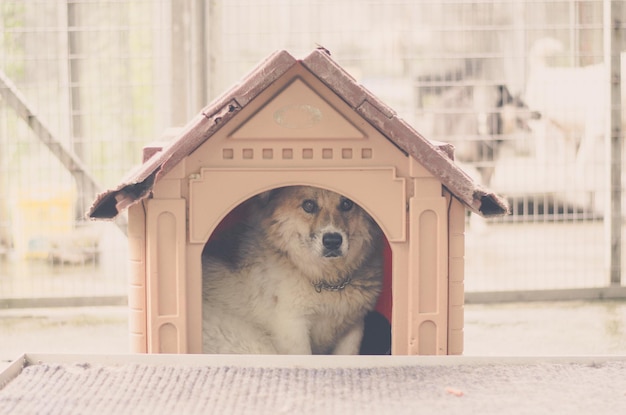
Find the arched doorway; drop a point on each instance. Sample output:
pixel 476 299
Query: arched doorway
pixel 226 241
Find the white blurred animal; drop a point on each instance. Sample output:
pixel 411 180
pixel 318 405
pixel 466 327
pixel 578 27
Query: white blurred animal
pixel 575 99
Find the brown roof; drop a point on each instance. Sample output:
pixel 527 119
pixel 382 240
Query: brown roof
pixel 436 158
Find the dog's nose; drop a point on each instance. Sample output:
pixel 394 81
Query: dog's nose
pixel 332 240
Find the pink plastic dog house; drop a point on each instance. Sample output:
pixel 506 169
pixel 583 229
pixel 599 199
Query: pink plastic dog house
pixel 295 122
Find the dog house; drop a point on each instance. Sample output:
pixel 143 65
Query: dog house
pixel 298 122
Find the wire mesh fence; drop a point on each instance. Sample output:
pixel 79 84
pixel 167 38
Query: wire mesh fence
pixel 521 88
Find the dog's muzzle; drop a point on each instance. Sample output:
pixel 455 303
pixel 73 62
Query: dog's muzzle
pixel 332 244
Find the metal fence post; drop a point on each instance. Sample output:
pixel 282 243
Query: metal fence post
pixel 612 28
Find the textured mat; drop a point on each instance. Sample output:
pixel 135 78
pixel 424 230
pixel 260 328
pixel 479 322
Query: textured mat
pixel 536 388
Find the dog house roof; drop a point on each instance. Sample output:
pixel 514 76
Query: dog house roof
pixel 435 157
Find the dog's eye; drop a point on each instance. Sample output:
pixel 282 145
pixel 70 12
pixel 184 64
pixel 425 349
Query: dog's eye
pixel 345 204
pixel 309 206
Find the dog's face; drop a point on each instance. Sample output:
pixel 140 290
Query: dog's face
pixel 320 230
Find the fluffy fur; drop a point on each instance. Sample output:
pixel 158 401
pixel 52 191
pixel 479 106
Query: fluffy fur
pixel 297 277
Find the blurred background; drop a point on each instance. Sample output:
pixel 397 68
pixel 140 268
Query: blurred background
pixel 530 92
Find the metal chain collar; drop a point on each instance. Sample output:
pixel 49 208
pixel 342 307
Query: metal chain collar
pixel 325 285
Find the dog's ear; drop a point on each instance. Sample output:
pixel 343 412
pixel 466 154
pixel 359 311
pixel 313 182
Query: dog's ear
pixel 264 198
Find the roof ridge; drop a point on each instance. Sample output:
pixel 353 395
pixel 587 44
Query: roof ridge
pixel 436 159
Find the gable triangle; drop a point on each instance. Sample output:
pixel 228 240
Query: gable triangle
pixel 297 111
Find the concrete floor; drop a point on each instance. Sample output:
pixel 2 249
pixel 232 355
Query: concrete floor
pixel 568 328
pixel 514 329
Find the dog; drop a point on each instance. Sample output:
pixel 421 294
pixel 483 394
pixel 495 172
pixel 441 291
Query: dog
pixel 298 276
